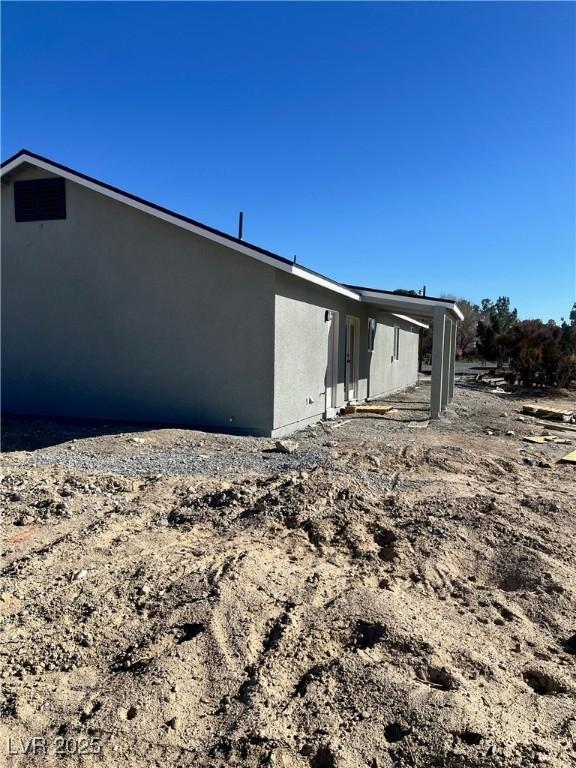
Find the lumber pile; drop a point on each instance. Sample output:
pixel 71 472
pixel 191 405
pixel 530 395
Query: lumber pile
pixel 545 412
pixel 369 409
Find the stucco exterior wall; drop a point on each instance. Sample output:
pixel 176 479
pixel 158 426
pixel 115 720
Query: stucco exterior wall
pixel 301 352
pixel 387 374
pixel 112 313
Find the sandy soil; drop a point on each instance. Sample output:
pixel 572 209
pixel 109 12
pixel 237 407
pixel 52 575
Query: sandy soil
pixel 391 594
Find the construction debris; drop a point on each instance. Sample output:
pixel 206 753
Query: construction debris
pixel 570 458
pixel 558 427
pixel 548 413
pixel 545 439
pixel 371 409
pixel 491 381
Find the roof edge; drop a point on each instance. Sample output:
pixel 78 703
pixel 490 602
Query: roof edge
pixel 428 302
pixel 249 249
pixel 399 295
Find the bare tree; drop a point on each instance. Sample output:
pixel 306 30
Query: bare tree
pixel 467 328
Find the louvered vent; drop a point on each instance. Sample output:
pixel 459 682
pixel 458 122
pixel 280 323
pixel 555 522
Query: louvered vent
pixel 40 199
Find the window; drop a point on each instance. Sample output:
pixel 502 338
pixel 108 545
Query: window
pixel 371 333
pixel 396 342
pixel 40 199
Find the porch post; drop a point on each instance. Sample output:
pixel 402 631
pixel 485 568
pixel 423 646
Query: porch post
pixel 446 361
pixel 438 343
pixel 452 361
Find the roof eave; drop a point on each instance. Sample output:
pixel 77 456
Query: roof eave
pixel 419 305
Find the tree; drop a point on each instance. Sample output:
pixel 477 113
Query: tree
pixel 568 335
pixel 496 320
pixel 466 332
pixel 467 328
pixel 542 354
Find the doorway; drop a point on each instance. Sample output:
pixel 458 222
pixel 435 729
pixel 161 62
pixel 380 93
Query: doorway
pixel 352 357
pixel 333 319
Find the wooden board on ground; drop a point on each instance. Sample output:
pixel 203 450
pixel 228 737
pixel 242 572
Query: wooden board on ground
pixel 543 439
pixel 547 413
pixel 558 427
pixel 370 409
pixel 570 458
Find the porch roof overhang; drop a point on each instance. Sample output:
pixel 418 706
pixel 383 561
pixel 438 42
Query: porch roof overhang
pixel 416 307
pixel 444 314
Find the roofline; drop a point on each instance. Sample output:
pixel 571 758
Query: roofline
pixel 248 249
pixel 369 294
pixel 360 288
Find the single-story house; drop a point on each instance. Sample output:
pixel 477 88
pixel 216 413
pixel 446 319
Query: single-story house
pixel 116 308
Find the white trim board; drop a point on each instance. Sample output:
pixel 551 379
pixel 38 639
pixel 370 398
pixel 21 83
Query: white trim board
pixel 410 320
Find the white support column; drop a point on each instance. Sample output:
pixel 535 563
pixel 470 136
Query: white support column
pixel 452 361
pixel 438 343
pixel 446 361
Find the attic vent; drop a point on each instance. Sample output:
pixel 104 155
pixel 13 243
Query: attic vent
pixel 40 199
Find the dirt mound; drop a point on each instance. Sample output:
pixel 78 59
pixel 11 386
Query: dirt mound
pixel 309 618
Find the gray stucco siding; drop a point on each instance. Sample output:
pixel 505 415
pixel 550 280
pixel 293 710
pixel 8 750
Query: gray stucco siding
pixel 387 374
pixel 301 352
pixel 113 313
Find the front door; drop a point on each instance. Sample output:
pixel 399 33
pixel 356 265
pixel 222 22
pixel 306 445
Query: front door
pixel 352 356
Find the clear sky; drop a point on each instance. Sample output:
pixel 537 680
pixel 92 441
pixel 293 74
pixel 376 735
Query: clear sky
pixel 385 144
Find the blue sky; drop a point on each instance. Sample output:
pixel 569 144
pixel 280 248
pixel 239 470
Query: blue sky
pixel 385 144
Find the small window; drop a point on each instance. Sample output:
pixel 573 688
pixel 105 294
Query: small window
pixel 396 342
pixel 40 199
pixel 371 333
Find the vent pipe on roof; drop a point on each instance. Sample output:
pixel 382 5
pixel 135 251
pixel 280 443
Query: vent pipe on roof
pixel 240 225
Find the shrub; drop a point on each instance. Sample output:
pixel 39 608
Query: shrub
pixel 542 354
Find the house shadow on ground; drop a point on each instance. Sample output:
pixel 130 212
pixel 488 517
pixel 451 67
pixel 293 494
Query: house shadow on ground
pixel 31 433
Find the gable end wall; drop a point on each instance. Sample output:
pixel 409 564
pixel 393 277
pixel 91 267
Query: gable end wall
pixel 114 314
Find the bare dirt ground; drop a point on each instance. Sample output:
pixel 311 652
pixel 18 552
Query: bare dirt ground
pixel 391 594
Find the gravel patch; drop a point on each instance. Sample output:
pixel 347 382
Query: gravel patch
pixel 178 461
